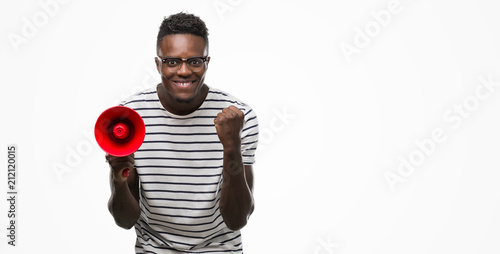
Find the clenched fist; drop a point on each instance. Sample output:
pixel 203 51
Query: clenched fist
pixel 229 124
pixel 120 166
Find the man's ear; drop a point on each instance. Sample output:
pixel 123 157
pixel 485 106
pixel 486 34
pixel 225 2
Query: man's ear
pixel 208 60
pixel 158 64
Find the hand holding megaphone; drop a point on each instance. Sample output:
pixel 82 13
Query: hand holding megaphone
pixel 120 166
pixel 120 131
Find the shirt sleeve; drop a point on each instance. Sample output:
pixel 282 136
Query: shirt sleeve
pixel 249 137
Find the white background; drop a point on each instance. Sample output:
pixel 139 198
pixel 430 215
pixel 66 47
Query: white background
pixel 331 129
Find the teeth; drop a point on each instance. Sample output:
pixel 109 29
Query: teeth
pixel 183 84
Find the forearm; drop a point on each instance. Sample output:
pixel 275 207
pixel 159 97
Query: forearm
pixel 236 202
pixel 123 205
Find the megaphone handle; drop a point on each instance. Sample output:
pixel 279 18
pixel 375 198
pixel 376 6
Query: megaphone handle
pixel 126 172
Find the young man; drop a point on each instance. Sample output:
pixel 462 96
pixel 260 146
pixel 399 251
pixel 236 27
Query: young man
pixel 189 188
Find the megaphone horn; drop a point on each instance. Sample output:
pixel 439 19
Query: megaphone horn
pixel 119 131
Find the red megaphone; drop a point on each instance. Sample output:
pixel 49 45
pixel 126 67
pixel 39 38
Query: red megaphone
pixel 119 131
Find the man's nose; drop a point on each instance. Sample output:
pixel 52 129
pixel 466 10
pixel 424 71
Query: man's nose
pixel 184 70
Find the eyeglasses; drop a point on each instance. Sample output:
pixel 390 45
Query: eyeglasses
pixel 173 64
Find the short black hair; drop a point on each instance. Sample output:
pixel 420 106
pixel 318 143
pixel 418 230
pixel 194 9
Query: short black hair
pixel 182 23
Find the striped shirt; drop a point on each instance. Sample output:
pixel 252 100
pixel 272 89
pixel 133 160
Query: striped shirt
pixel 180 174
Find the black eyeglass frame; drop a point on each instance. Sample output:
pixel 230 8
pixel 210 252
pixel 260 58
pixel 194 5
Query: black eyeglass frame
pixel 164 60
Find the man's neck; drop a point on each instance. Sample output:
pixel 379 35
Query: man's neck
pixel 180 108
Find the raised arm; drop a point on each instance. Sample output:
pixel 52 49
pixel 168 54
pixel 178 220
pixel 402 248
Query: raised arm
pixel 124 201
pixel 236 203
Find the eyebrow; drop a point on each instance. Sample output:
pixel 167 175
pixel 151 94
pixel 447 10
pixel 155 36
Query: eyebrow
pixel 182 58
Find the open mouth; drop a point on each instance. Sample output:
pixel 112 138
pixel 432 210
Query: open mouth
pixel 184 83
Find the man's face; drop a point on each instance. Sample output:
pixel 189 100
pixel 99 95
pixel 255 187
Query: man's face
pixel 183 85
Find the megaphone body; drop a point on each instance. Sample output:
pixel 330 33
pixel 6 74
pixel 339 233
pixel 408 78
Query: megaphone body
pixel 119 131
